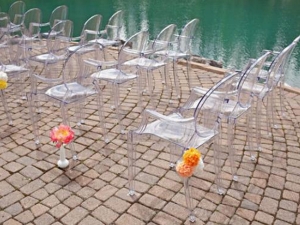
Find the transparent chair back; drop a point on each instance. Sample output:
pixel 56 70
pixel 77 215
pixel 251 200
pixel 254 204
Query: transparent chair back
pixel 4 30
pixel 59 38
pixel 163 39
pixel 279 65
pixel 114 26
pixel 186 36
pixel 31 23
pixel 58 14
pixel 16 12
pixel 249 79
pixel 133 47
pixel 90 30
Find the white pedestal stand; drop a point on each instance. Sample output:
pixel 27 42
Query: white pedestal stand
pixel 62 162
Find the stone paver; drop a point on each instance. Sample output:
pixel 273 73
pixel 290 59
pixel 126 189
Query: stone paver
pixel 34 191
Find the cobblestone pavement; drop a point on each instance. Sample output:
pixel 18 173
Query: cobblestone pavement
pixel 33 190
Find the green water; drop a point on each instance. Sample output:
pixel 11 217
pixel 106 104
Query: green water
pixel 231 31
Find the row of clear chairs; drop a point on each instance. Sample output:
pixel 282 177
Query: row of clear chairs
pixel 199 120
pixel 196 123
pixel 126 68
pixel 139 55
pixel 21 41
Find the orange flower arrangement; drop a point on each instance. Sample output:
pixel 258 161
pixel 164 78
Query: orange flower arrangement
pixel 191 158
pixel 184 170
pixel 62 135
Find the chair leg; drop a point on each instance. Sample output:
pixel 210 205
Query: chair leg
pixel 150 86
pixel 10 122
pixel 231 149
pixel 272 109
pixel 80 113
pixel 268 111
pixel 33 117
pixel 66 122
pixel 175 153
pixel 100 112
pixel 189 199
pixel 250 133
pixel 131 151
pixel 188 69
pixel 281 99
pixel 176 80
pixel 117 103
pixel 217 166
pixel 258 123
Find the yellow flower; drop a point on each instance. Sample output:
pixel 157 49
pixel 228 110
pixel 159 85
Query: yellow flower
pixel 3 80
pixel 191 157
pixel 3 84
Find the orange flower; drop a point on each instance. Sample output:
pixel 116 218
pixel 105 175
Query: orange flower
pixel 61 135
pixel 191 157
pixel 184 170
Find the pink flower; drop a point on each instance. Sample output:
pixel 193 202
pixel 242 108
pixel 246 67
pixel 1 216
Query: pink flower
pixel 61 135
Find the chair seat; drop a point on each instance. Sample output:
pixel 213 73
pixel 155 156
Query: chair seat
pixel 82 50
pixel 113 75
pixel 50 58
pixel 145 63
pixel 172 54
pixel 106 42
pixel 76 92
pixel 13 69
pixel 180 133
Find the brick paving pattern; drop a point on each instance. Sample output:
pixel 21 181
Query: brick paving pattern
pixel 94 191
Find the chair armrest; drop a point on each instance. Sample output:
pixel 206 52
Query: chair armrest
pixel 100 64
pixel 46 80
pixel 44 24
pixel 147 114
pixel 76 38
pixel 157 115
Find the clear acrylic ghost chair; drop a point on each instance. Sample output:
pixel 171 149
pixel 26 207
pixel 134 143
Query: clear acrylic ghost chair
pixel 57 43
pixel 240 104
pixel 60 13
pixel 48 64
pixel 120 73
pixel 185 128
pixel 181 49
pixel 266 85
pixel 30 29
pixel 90 31
pixel 16 12
pixel 110 36
pixel 14 68
pixel 280 76
pixel 149 60
pixel 72 92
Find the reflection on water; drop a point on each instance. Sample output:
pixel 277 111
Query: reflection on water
pixel 231 31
